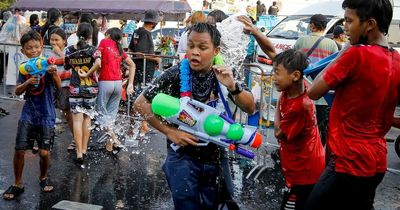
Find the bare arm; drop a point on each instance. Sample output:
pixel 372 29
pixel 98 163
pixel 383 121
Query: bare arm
pixel 95 67
pixel 244 99
pixel 132 68
pixel 262 40
pixel 52 70
pixel 143 106
pixel 22 87
pixel 319 87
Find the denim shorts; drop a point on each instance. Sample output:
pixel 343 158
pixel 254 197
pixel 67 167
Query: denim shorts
pixel 27 133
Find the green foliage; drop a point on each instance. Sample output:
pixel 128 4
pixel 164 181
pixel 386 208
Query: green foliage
pixel 6 4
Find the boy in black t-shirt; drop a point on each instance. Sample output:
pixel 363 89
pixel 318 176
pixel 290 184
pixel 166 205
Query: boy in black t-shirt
pixel 192 171
pixel 142 42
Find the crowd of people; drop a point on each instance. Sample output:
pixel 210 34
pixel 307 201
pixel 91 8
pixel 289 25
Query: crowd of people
pixel 325 167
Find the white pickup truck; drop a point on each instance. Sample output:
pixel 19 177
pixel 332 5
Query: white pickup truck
pixel 286 32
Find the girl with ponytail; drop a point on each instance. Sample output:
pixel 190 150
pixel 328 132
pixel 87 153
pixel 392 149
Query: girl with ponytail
pixel 110 81
pixel 80 59
pixel 97 36
pixel 54 20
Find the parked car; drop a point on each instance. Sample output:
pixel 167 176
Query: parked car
pixel 286 32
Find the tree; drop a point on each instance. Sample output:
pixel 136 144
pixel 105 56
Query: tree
pixel 6 4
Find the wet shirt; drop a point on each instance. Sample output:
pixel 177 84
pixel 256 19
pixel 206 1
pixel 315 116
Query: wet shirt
pixel 39 101
pixel 81 59
pixel 65 75
pixel 110 61
pixel 203 86
pixel 366 80
pixel 142 41
pixel 302 154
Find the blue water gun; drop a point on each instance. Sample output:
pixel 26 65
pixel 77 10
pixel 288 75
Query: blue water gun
pixel 314 69
pixel 38 66
pixel 206 123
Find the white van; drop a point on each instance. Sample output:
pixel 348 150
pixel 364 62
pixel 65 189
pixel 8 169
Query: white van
pixel 394 29
pixel 286 32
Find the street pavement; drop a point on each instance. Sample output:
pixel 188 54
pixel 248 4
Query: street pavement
pixel 133 179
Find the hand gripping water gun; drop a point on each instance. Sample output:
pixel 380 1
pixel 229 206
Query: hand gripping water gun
pixel 206 123
pixel 38 66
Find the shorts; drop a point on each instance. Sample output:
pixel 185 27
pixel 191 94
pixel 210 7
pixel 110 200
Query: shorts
pixel 63 99
pixel 82 104
pixel 84 92
pixel 27 133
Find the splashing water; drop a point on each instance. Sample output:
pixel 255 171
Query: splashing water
pixel 233 42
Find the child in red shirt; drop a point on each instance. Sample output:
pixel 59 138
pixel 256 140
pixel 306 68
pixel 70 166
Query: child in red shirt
pixel 110 82
pixel 301 151
pixel 366 80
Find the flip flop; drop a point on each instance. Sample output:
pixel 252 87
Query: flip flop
pixel 14 191
pixel 109 146
pixel 71 147
pixel 45 183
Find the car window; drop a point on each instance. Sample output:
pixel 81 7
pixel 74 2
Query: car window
pixel 292 27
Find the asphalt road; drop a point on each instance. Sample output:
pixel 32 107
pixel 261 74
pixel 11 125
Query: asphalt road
pixel 133 179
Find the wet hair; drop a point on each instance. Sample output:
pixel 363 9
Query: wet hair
pixel 84 33
pixel 207 28
pixel 380 10
pixel 88 18
pixel 292 60
pixel 60 33
pixel 34 20
pixel 29 36
pixel 116 35
pixel 53 15
pixel 218 15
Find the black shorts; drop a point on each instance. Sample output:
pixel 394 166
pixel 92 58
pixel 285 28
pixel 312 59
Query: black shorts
pixel 335 190
pixel 296 197
pixel 63 98
pixel 27 133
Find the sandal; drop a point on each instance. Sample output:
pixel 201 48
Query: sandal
pixel 71 147
pixel 12 192
pixel 35 149
pixel 109 146
pixel 79 161
pixel 45 185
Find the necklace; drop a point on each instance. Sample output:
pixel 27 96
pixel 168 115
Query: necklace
pixel 185 76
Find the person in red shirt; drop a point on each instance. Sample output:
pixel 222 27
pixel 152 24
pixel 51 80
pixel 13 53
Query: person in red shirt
pixel 366 80
pixel 296 128
pixel 110 81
